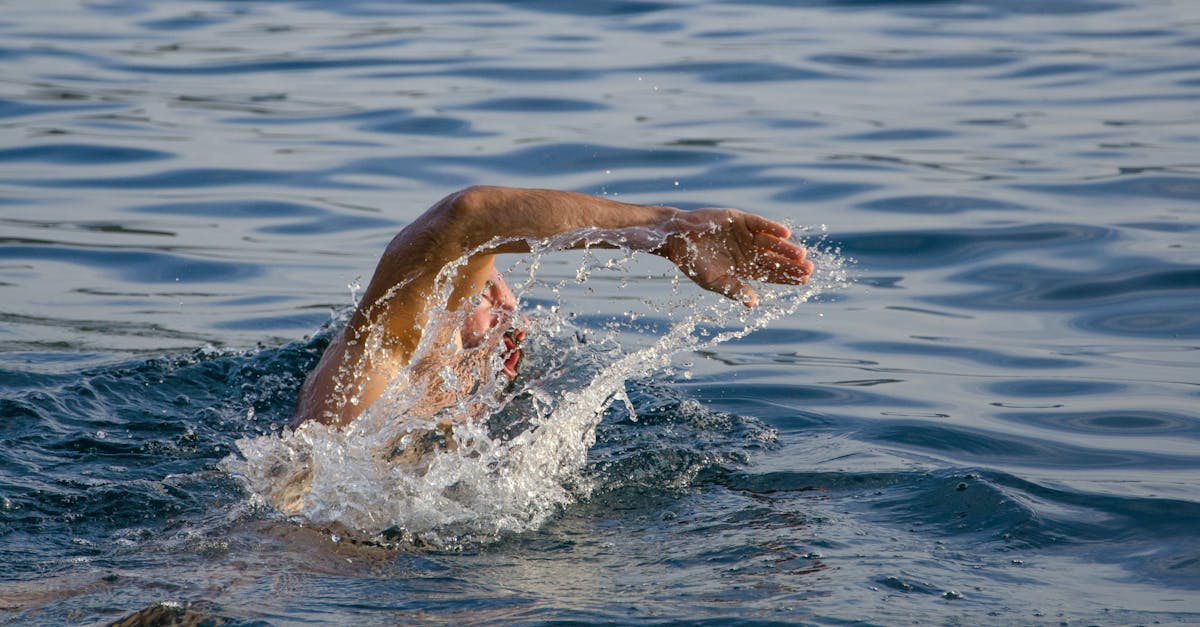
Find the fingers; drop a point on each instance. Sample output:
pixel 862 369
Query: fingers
pixel 781 272
pixel 778 260
pixel 758 224
pixel 774 244
pixel 734 288
pixel 747 296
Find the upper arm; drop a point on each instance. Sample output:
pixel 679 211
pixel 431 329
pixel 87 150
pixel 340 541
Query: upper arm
pixel 418 269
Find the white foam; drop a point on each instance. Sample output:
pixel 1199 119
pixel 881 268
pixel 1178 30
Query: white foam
pixel 523 456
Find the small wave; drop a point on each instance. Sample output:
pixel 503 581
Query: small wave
pixel 955 247
pixel 95 457
pixel 1140 187
pixel 141 266
pixel 81 154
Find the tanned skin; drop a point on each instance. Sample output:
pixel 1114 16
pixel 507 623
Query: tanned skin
pixel 719 249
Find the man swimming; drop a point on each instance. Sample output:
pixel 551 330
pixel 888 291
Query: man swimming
pixel 450 250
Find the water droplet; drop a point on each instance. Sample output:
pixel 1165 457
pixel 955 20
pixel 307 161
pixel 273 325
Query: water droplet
pixel 492 485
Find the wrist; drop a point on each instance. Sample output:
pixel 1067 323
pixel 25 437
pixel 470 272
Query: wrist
pixel 669 226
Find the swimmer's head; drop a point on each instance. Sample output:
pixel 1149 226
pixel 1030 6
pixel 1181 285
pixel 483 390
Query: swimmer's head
pixel 496 310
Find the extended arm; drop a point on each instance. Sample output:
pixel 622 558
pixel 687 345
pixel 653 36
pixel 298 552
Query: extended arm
pixel 719 249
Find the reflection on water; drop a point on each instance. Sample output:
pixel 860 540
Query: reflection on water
pixel 995 423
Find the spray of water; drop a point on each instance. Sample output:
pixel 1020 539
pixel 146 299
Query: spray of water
pixel 501 456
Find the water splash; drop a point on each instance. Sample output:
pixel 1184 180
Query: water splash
pixel 502 456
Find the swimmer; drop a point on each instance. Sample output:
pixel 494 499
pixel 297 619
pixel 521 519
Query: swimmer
pixel 719 249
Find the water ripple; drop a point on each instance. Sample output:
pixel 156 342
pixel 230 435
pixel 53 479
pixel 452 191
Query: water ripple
pixel 302 219
pixel 744 72
pixel 912 61
pixel 978 447
pixel 938 204
pixel 901 134
pixel 1122 422
pixel 81 154
pixel 982 356
pixel 1052 388
pixel 1176 320
pixel 529 104
pixel 818 191
pixel 272 66
pixel 21 108
pixel 1043 70
pixel 1168 187
pixel 1127 290
pixel 136 266
pixel 551 160
pixel 184 178
pixel 947 247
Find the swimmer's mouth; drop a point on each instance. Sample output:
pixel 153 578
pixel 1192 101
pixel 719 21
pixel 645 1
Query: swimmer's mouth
pixel 512 352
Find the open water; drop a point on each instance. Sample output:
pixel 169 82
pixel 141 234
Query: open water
pixel 984 410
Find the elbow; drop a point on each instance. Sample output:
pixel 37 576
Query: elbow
pixel 447 225
pixel 476 215
pixel 468 204
pixel 471 216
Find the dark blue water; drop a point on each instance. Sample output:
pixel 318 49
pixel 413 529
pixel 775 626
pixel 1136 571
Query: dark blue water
pixel 995 423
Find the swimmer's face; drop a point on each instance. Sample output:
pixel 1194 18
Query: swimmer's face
pixel 497 308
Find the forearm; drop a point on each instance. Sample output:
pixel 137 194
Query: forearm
pixel 513 217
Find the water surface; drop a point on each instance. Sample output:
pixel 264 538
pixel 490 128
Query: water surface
pixel 994 424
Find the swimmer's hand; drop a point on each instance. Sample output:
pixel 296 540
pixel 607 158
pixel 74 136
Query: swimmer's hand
pixel 722 249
